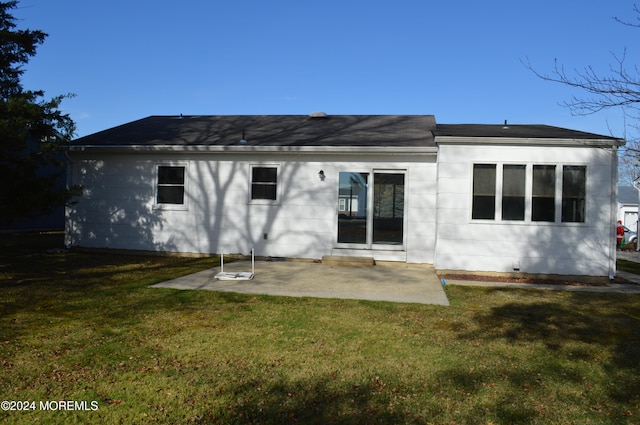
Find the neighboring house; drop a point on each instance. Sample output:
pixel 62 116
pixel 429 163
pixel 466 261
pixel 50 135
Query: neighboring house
pixel 491 198
pixel 348 203
pixel 628 207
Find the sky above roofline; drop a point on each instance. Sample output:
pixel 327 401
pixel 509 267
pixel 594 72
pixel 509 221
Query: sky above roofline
pixel 460 61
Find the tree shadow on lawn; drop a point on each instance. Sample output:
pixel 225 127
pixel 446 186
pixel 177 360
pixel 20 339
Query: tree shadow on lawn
pixel 593 328
pixel 71 288
pixel 320 401
pixel 43 313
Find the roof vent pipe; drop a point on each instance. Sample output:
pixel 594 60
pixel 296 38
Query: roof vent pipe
pixel 505 126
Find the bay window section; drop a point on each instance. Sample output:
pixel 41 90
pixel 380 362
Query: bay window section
pixel 543 202
pixel 484 192
pixel 513 192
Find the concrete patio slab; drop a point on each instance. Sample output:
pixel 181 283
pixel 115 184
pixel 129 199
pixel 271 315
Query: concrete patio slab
pixel 404 283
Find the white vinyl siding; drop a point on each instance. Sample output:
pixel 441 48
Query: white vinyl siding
pixel 119 209
pixel 542 242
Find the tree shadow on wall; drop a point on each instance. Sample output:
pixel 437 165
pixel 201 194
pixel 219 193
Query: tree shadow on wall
pixel 116 207
pixel 218 218
pixel 225 219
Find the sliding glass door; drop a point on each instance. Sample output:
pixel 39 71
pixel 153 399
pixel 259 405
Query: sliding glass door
pixel 388 208
pixel 353 190
pixel 371 209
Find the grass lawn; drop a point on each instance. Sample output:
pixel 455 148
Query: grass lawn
pixel 628 266
pixel 85 327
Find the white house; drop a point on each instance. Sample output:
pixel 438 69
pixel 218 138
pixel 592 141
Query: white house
pixel 628 207
pixel 495 198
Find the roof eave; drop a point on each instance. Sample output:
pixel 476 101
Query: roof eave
pixel 334 150
pixel 530 141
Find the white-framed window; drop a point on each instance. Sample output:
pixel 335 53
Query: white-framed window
pixel 171 186
pixel 529 192
pixel 264 187
pixel 543 193
pixel 513 191
pixel 346 205
pixel 484 192
pixel 574 193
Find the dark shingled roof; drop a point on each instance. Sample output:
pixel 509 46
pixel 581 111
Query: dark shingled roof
pixel 522 131
pixel 315 130
pixel 270 130
pixel 627 195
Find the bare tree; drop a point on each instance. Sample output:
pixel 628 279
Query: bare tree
pixel 619 87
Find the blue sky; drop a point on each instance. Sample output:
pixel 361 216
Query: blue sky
pixel 458 60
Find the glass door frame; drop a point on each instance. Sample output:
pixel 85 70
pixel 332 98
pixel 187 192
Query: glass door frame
pixel 369 245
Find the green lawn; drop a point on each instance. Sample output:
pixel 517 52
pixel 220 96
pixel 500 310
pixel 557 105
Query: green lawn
pixel 86 327
pixel 628 266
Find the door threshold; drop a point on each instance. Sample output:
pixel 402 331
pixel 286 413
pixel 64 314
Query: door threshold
pixel 376 254
pixel 345 260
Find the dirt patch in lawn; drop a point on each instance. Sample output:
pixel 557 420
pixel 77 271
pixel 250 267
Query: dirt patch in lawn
pixel 532 280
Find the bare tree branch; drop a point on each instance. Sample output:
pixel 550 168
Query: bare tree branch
pixel 631 24
pixel 620 88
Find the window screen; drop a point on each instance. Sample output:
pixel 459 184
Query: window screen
pixel 543 203
pixel 170 188
pixel 574 188
pixel 513 192
pixel 264 183
pixel 484 191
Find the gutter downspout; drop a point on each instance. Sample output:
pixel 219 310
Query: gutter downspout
pixel 636 183
pixel 613 214
pixel 438 196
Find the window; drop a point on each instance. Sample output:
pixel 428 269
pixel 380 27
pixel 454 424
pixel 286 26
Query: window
pixel 543 202
pixel 484 191
pixel 513 192
pixel 348 205
pixel 170 189
pixel 534 193
pixel 574 183
pixel 264 183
